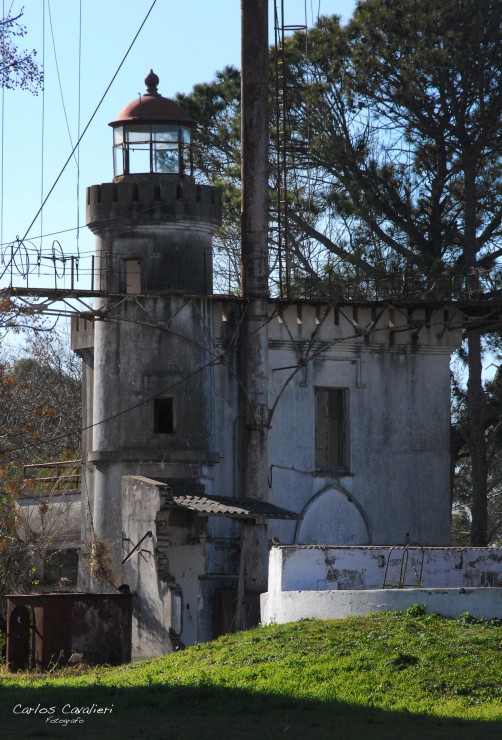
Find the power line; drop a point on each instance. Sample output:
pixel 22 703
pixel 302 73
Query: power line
pixel 79 118
pixel 89 122
pixel 59 78
pixel 42 132
pixel 315 352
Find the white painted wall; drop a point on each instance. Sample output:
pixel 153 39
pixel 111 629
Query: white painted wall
pixel 397 487
pixel 331 582
pixel 294 568
pixel 449 602
pixel 52 517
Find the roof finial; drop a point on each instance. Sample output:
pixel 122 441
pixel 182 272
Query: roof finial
pixel 151 82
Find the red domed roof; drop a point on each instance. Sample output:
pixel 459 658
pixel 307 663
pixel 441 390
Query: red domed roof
pixel 152 108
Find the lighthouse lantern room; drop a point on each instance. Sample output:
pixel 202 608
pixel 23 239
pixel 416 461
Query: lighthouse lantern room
pixel 152 134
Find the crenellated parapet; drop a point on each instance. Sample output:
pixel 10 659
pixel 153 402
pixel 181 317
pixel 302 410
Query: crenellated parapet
pixel 153 200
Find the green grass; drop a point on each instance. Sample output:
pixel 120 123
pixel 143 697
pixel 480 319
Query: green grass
pixel 404 676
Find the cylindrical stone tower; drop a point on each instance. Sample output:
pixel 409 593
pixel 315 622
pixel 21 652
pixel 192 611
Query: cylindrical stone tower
pixel 152 381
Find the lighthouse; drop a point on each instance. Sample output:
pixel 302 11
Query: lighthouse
pixel 147 369
pixel 357 434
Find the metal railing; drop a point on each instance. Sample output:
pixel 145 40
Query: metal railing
pixel 62 476
pixel 404 565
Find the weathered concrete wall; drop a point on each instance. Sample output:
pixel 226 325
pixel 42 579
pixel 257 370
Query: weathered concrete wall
pixel 153 347
pixel 186 563
pixel 295 568
pixel 164 223
pixel 176 571
pixel 157 604
pixel 102 628
pixel 333 582
pixel 52 516
pixel 449 602
pixel 148 347
pixel 82 342
pixel 395 366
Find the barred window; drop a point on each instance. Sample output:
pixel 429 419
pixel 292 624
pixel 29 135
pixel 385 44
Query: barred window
pixel 61 564
pixel 332 428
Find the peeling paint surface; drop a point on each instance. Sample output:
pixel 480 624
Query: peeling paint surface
pixel 296 605
pixel 319 567
pixel 332 582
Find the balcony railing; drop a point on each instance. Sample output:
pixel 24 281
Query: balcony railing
pixel 59 477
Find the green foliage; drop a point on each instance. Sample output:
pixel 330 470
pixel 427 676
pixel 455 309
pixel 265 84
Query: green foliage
pixel 395 99
pixel 392 153
pixel 392 150
pixel 466 618
pixel 39 423
pixel 416 610
pixel 388 675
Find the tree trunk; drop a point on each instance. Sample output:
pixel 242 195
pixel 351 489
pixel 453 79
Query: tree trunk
pixel 475 393
pixel 477 442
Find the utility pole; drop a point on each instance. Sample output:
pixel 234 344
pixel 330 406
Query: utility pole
pixel 254 290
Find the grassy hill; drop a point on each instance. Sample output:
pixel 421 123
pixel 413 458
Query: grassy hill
pixel 384 676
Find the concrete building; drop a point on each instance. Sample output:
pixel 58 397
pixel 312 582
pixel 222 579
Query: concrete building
pixel 359 402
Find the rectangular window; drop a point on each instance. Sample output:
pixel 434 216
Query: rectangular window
pixel 332 429
pixel 61 565
pixel 133 276
pixel 163 415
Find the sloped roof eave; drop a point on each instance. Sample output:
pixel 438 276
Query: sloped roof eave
pixel 234 508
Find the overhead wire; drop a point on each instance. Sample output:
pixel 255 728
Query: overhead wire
pixel 77 148
pixel 89 121
pixel 296 368
pixel 79 118
pixel 42 132
pixel 59 77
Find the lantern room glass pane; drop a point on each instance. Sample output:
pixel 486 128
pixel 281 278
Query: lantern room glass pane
pixel 139 134
pixel 165 133
pixel 139 158
pixel 141 148
pixel 118 161
pixel 165 158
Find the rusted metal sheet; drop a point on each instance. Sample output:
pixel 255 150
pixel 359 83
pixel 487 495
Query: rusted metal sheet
pixel 46 629
pixel 19 631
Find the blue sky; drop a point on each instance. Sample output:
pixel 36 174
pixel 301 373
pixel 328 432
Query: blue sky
pixel 184 42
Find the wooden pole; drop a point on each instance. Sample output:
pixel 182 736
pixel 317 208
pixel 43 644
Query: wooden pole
pixel 254 290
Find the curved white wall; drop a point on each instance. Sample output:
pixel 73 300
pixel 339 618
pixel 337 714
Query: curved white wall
pixel 291 606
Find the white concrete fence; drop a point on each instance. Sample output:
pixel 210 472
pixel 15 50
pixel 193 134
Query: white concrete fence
pixel 327 582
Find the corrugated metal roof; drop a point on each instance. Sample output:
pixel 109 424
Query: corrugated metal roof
pixel 235 508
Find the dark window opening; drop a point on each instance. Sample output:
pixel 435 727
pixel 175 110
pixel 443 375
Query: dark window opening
pixel 163 416
pixel 332 429
pixel 61 565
